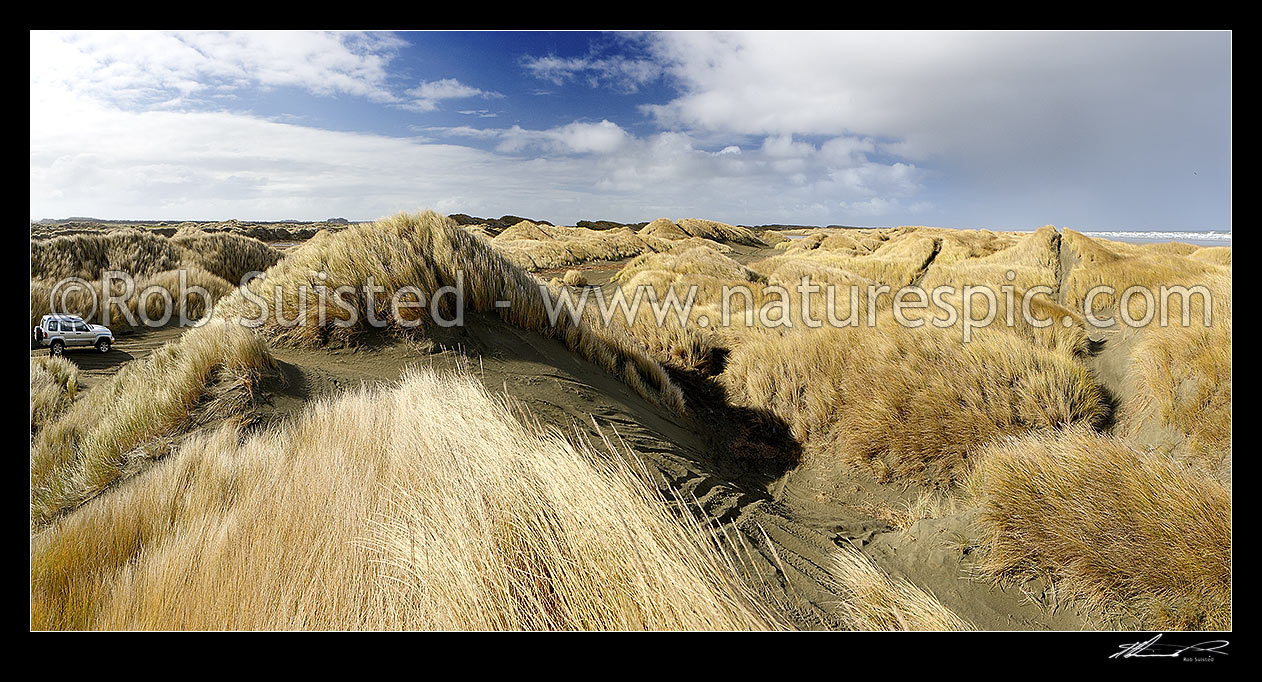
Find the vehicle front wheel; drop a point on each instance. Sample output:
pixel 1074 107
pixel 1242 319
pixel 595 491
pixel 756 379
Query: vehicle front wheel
pixel 103 345
pixel 57 348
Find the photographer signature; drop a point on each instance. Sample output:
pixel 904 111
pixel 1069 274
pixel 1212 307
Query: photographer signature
pixel 1153 649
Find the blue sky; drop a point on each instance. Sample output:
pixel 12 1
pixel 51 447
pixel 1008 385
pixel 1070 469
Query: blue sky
pixel 1089 130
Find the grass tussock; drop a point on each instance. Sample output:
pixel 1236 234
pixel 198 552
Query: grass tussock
pixel 696 343
pixel 523 230
pixel 683 346
pixel 663 228
pixel 226 255
pixel 1050 325
pixel 896 263
pixel 856 241
pixel 561 247
pixel 772 237
pixel 480 230
pixel 152 297
pixel 463 518
pixel 1006 264
pixel 141 252
pixel 1183 382
pixel 719 232
pixel 872 600
pixel 138 252
pixel 959 245
pixel 1127 532
pixel 210 374
pixel 1032 261
pixel 667 245
pixel 426 251
pixel 700 260
pixel 212 262
pixel 910 404
pixel 546 247
pixel 1121 266
pixel 788 271
pixel 1215 255
pixel 54 385
pixel 574 278
pixel 827 240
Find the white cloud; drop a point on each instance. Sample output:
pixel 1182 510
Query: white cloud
pixel 809 128
pixel 871 208
pixel 617 72
pixel 462 131
pixel 89 158
pixel 575 138
pixel 1061 125
pixel 150 68
pixel 93 158
pixel 110 136
pixel 426 96
pixel 783 147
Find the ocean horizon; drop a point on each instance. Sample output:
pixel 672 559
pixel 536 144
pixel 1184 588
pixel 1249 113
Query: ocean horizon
pixel 1200 238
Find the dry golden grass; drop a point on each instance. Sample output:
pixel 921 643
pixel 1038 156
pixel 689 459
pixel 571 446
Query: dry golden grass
pixel 843 242
pixel 1033 260
pixel 54 385
pixel 226 255
pixel 1127 532
pixel 422 505
pixel 1215 255
pixel 958 245
pixel 788 271
pixel 843 297
pixel 699 274
pixel 88 255
pixel 899 260
pixel 772 237
pixel 911 404
pixel 194 305
pixel 719 232
pixel 681 345
pixel 523 230
pixel 686 244
pixel 574 278
pixel 545 247
pixel 210 374
pixel 896 262
pixel 1183 381
pixel 1175 248
pixel 479 230
pixel 827 240
pixel 1121 266
pixel 700 260
pixel 704 277
pixel 1050 325
pixel 873 600
pixel 215 262
pixel 140 253
pixel 427 251
pixel 151 297
pixel 1005 264
pixel 663 228
pixel 560 247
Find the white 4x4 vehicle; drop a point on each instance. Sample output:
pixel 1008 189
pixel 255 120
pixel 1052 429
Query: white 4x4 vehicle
pixel 59 332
